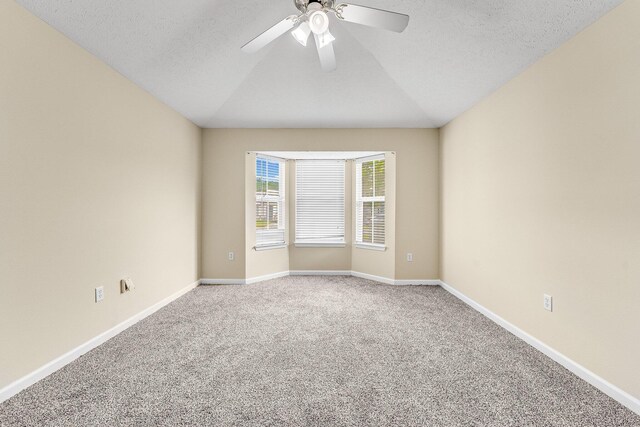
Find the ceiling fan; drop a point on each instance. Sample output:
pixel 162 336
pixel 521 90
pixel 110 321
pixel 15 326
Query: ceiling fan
pixel 314 19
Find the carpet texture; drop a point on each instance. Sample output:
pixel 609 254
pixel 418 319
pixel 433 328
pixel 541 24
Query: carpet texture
pixel 314 351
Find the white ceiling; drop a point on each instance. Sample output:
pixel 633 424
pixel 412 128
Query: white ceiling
pixel 187 54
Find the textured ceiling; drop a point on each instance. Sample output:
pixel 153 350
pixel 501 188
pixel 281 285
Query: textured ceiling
pixel 187 54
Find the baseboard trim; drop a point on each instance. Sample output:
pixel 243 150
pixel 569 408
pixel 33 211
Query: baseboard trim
pixel 266 277
pixel 417 282
pixel 320 273
pixel 223 282
pixel 598 382
pixel 374 278
pixel 46 370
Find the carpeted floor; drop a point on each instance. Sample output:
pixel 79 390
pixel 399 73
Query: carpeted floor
pixel 314 351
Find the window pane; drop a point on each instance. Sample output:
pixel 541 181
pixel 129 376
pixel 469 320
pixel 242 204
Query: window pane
pixel 367 222
pixel 269 202
pixel 261 177
pixel 379 178
pixel 367 179
pixel 273 176
pixel 378 223
pixel 261 215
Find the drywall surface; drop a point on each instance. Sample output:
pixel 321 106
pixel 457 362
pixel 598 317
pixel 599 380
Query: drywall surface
pixel 99 181
pixel 224 226
pixel 541 194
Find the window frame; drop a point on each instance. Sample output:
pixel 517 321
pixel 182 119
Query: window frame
pixel 359 205
pixel 279 235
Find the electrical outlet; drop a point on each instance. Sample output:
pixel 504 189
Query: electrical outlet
pixel 99 294
pixel 409 257
pixel 232 256
pixel 548 302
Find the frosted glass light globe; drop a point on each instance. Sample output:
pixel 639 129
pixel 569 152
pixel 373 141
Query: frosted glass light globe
pixel 319 22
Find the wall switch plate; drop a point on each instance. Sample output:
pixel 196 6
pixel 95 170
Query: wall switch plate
pixel 232 256
pixel 99 294
pixel 548 302
pixel 409 257
pixel 126 285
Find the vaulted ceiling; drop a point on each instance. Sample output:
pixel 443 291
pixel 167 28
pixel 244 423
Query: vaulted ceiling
pixel 187 54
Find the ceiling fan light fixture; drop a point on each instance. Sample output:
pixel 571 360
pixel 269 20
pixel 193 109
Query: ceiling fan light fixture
pixel 319 22
pixel 325 39
pixel 302 33
pixel 313 17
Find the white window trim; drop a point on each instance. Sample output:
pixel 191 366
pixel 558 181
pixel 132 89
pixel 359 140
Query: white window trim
pixel 366 245
pixel 269 247
pixel 281 198
pixel 371 246
pixel 371 158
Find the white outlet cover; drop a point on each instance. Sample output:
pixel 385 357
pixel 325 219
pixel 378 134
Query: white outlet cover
pixel 231 256
pixel 548 302
pixel 99 293
pixel 410 257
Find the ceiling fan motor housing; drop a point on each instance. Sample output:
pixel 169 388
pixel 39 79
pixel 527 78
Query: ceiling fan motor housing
pixel 306 5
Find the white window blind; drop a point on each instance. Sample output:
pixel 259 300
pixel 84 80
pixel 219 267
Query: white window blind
pixel 270 201
pixel 370 201
pixel 320 201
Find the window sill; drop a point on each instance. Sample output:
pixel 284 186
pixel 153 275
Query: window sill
pixel 371 247
pixel 321 245
pixel 269 247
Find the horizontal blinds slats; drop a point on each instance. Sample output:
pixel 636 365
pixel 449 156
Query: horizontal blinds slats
pixel 269 237
pixel 320 201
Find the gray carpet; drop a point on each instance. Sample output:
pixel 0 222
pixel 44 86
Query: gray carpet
pixel 309 351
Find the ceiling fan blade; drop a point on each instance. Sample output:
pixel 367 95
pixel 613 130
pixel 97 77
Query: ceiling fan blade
pixel 372 17
pixel 327 56
pixel 270 35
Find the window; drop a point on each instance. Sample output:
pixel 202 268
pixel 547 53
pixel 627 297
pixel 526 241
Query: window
pixel 370 201
pixel 320 202
pixel 270 202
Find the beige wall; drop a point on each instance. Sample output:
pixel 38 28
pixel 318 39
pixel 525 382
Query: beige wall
pixel 541 194
pixel 224 225
pixel 98 181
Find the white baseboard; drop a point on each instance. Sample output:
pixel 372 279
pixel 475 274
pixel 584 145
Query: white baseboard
pixel 417 283
pixel 248 281
pixel 46 370
pixel 600 383
pixel 267 277
pixel 379 279
pixel 223 282
pixel 320 273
